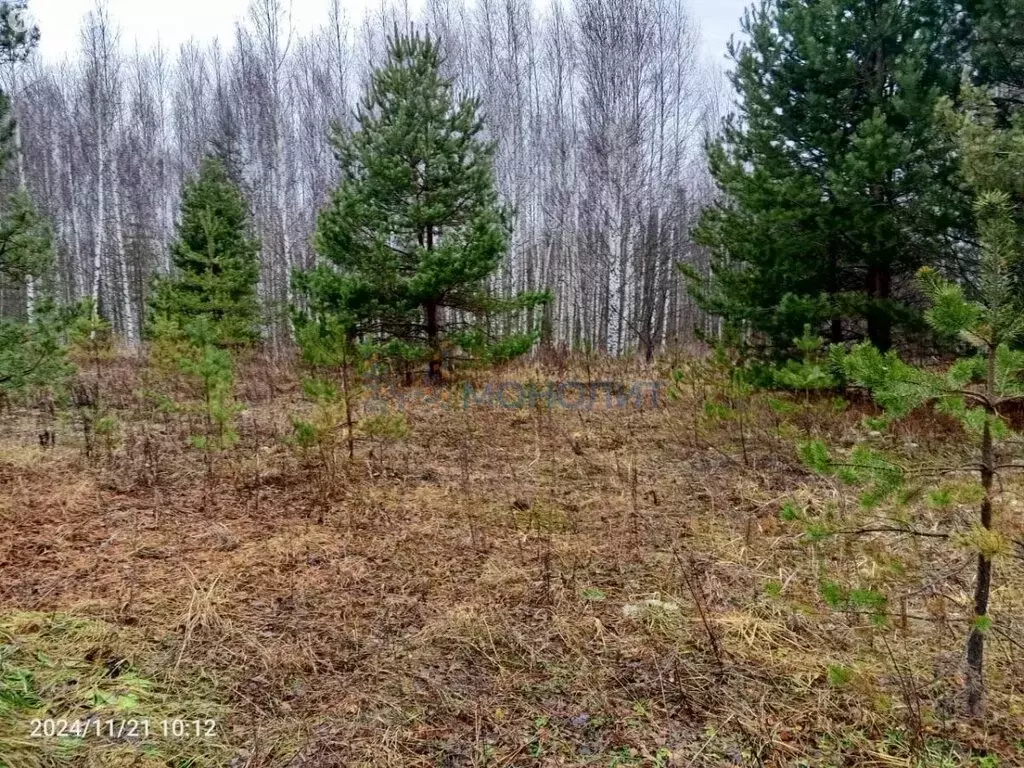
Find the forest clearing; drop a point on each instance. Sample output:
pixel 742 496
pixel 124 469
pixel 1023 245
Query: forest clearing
pixel 516 584
pixel 487 384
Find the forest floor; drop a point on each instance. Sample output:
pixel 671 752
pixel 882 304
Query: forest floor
pixel 508 584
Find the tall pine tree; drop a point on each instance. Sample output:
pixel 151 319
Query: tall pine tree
pixel 415 229
pixel 215 260
pixel 837 181
pixel 31 348
pixel 24 236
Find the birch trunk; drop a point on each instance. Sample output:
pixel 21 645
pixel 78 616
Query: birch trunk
pixel 131 334
pixel 97 256
pixel 30 283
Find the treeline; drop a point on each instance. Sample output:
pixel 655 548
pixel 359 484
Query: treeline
pixel 599 109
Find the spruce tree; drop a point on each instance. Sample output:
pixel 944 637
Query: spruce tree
pixel 215 261
pixel 837 182
pixel 415 229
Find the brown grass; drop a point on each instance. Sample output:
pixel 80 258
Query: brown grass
pixel 517 587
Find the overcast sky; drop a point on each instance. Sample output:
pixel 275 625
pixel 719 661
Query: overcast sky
pixel 175 21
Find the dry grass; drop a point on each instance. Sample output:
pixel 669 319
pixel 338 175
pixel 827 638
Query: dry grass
pixel 505 587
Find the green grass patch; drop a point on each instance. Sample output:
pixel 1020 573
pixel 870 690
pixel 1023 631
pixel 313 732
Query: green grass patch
pixel 79 691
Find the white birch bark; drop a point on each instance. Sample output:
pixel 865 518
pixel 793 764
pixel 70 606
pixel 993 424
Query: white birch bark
pixel 131 329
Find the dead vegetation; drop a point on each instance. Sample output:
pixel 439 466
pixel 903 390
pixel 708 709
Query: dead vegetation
pixel 525 584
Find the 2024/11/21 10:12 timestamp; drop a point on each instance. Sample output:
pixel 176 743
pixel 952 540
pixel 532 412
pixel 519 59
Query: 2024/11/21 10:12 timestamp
pixel 123 729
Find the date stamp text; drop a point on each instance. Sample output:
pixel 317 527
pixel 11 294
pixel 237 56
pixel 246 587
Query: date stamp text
pixel 135 729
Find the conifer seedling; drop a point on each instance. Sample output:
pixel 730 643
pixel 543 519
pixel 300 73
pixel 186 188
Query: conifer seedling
pixel 977 390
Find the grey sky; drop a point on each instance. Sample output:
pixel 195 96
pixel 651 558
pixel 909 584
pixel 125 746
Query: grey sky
pixel 175 21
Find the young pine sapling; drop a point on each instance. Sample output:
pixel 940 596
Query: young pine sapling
pixel 211 366
pixel 334 387
pixel 977 390
pixel 93 348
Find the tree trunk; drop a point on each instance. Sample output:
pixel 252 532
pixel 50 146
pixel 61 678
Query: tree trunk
pixel 836 322
pixel 879 320
pixel 75 270
pixel 97 261
pixel 127 304
pixel 433 339
pixel 983 580
pixel 30 281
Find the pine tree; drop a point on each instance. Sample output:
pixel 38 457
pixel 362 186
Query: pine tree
pixel 978 390
pixel 24 235
pixel 981 389
pixel 18 37
pixel 32 352
pixel 837 182
pixel 25 241
pixel 997 51
pixel 215 260
pixel 415 229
